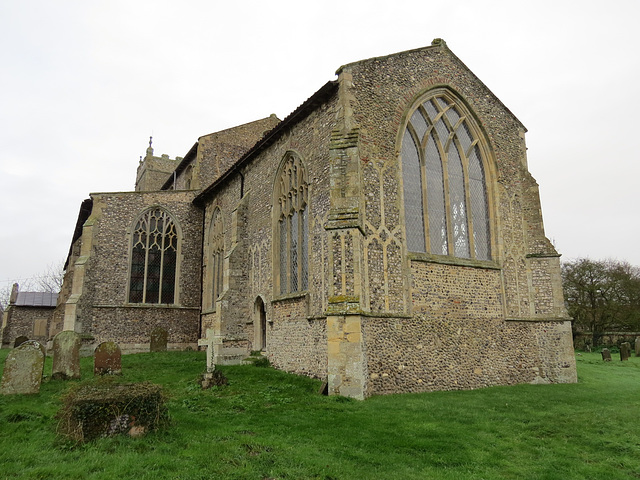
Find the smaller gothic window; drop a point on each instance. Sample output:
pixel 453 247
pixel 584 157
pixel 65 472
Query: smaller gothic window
pixel 153 258
pixel 292 226
pixel 216 248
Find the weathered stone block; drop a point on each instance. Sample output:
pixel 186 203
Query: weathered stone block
pixel 105 409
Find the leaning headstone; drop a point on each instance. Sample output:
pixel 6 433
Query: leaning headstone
pixel 158 340
pixel 41 347
pixel 606 355
pixel 19 341
pixel 66 355
pixel 637 346
pixel 625 351
pixel 23 370
pixel 37 344
pixel 107 359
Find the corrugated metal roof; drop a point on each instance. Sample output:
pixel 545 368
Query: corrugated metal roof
pixel 36 299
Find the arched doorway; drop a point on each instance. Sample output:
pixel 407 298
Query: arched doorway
pixel 261 325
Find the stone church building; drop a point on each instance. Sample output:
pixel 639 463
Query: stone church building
pixel 386 236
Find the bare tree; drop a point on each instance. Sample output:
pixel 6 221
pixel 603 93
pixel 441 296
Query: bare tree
pixel 50 280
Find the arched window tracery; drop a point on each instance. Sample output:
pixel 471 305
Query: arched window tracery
pixel 216 255
pixel 444 181
pixel 154 252
pixel 292 226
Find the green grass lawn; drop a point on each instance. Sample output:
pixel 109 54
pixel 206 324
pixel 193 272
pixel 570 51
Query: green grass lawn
pixel 267 424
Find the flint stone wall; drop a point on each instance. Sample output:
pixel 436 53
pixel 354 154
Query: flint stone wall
pixel 297 344
pixel 31 322
pixel 218 151
pixel 294 343
pixel 104 311
pixel 383 90
pixel 458 338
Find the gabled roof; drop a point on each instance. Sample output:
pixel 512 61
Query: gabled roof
pixel 300 113
pixel 183 164
pixel 85 210
pixel 436 44
pixel 36 299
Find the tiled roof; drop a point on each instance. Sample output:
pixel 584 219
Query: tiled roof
pixel 36 299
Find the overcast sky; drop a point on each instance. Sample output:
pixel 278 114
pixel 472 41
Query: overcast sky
pixel 83 84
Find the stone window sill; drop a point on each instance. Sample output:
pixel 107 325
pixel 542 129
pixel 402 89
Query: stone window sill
pixel 291 296
pixel 447 260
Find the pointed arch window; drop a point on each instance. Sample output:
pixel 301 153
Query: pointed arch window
pixel 292 226
pixel 154 253
pixel 444 181
pixel 216 249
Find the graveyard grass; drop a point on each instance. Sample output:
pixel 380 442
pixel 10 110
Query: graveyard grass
pixel 267 424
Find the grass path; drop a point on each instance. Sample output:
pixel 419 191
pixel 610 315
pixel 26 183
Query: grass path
pixel 267 424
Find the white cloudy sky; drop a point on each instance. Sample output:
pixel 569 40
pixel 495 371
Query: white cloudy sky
pixel 84 83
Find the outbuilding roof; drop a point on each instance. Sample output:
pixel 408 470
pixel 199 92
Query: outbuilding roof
pixel 36 299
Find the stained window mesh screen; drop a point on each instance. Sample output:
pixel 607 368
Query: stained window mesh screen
pixel 294 252
pixel 304 257
pixel 435 199
pixel 284 283
pixel 478 195
pixel 413 208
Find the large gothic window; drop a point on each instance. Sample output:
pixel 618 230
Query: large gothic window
pixel 154 252
pixel 216 255
pixel 292 226
pixel 445 193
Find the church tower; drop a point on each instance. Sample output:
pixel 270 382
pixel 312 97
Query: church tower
pixel 154 171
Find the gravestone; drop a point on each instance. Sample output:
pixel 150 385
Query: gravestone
pixel 606 355
pixel 23 370
pixel 107 359
pixel 158 340
pixel 37 344
pixel 212 343
pixel 66 355
pixel 19 341
pixel 625 351
pixel 637 346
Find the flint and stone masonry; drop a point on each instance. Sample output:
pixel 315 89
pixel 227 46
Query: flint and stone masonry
pixel 311 241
